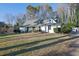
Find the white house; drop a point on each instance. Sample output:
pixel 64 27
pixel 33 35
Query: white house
pixel 49 26
pixel 46 25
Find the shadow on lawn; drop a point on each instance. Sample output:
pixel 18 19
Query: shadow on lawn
pixel 37 47
pixel 29 44
pixel 63 53
pixel 75 44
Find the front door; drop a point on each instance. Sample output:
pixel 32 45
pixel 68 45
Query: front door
pixel 49 27
pixel 27 29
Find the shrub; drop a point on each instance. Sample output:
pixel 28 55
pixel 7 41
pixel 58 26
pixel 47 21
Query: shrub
pixel 66 28
pixel 57 30
pixel 17 31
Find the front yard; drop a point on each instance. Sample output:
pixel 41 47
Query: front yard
pixel 34 44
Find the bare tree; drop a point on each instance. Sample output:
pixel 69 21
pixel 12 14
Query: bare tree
pixel 21 19
pixel 10 19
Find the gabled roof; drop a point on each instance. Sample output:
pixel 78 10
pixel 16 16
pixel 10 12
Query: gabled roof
pixel 40 22
pixel 31 22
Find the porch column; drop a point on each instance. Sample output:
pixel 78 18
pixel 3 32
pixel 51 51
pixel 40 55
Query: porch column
pixel 33 29
pixel 45 27
pixel 39 28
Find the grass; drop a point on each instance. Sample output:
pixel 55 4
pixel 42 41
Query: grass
pixel 14 47
pixel 16 36
pixel 2 36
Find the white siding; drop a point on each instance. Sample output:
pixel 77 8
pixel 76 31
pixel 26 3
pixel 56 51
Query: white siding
pixel 22 29
pixel 52 29
pixel 44 28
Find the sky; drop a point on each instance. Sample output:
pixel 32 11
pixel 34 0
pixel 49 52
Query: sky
pixel 17 8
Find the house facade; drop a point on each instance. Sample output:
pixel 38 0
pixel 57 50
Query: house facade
pixel 47 25
pixel 49 28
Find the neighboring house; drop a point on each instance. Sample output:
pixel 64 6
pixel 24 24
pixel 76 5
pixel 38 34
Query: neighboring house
pixel 5 29
pixel 2 24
